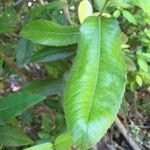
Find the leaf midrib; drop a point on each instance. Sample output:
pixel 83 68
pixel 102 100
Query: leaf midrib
pixel 54 33
pixel 95 85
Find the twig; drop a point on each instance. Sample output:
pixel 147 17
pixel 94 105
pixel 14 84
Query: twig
pixel 41 2
pixel 124 132
pixel 13 65
pixel 18 2
pixel 105 4
pixel 66 11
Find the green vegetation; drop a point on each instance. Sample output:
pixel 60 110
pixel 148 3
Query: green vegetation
pixel 70 69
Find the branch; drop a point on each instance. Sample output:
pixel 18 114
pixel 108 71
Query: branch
pixel 104 6
pixel 66 11
pixel 41 2
pixel 124 132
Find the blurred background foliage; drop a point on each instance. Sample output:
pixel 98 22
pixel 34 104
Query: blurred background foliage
pixel 33 68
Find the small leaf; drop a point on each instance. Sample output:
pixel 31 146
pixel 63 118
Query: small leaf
pixel 53 54
pixel 45 87
pixel 38 11
pixel 139 80
pixel 143 65
pixel 63 142
pixel 57 68
pixel 23 51
pixel 144 56
pixel 59 18
pixel 129 17
pixel 84 10
pixel 49 33
pixel 129 63
pixel 11 136
pixel 15 104
pixel 99 4
pixel 145 77
pixel 144 4
pixel 96 85
pixel 44 146
pixel 116 14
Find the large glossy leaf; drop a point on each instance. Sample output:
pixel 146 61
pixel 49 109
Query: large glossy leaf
pixel 49 33
pixel 16 103
pixel 11 136
pixel 95 89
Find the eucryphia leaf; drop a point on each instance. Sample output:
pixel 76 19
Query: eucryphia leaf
pixel 23 51
pixel 94 91
pixel 53 54
pixel 63 141
pixel 49 33
pixel 12 136
pixel 14 104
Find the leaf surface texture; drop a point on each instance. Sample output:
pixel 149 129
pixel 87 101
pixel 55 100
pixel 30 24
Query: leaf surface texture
pixel 97 81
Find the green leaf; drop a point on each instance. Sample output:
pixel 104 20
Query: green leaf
pixel 143 65
pixel 5 27
pixel 59 18
pixel 99 4
pixel 97 82
pixel 144 4
pixel 8 18
pixel 116 14
pixel 139 80
pixel 49 33
pixel 53 54
pixel 84 10
pixel 63 141
pixel 40 10
pixel 129 17
pixel 111 4
pixel 129 63
pixel 23 51
pixel 144 56
pixel 145 77
pixel 11 136
pixel 46 87
pixel 57 68
pixel 44 146
pixel 15 104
